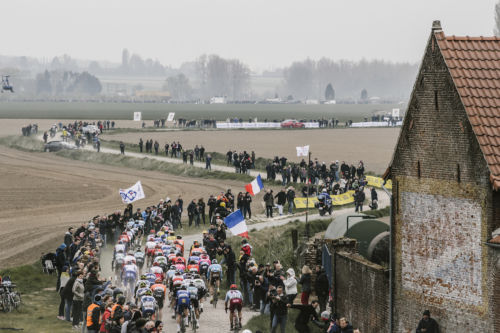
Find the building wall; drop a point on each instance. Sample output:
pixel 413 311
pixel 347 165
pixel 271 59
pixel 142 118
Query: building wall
pixel 362 293
pixel 442 211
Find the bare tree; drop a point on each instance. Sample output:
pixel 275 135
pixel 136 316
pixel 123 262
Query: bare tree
pixel 218 75
pixel 201 72
pixel 240 74
pixel 178 86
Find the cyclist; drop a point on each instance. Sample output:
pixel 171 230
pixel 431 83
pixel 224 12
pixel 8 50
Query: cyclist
pixel 166 249
pixel 142 278
pixel 148 304
pixel 171 257
pixel 193 296
pixel 129 273
pixel 139 257
pixel 193 267
pixel 194 245
pixel 235 300
pixel 214 276
pixel 177 282
pixel 149 249
pixel 169 276
pixel 119 246
pixel 130 257
pixel 179 259
pixel 162 261
pixel 159 293
pixel 198 282
pixel 204 263
pixel 151 277
pixel 182 304
pixel 141 291
pixel 157 271
pixel 151 236
pixel 117 263
pixel 179 241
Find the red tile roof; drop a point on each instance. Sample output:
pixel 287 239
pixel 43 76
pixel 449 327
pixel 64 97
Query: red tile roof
pixel 474 64
pixel 495 240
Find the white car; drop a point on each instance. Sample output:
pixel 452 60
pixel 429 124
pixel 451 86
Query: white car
pixel 331 102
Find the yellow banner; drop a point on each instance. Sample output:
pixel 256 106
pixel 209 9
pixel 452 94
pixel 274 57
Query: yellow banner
pixel 337 200
pixel 377 182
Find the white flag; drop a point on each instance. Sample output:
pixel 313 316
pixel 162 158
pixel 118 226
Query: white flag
pixel 303 151
pixel 133 193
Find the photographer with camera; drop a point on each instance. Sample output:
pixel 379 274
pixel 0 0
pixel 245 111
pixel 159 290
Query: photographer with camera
pixel 427 324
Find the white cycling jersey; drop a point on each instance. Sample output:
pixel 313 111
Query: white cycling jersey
pixel 233 294
pixel 129 258
pixel 156 270
pixel 150 245
pixel 119 247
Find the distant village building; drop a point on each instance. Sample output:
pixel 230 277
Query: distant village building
pixel 445 175
pixel 375 100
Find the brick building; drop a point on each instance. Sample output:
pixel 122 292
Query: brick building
pixel 445 173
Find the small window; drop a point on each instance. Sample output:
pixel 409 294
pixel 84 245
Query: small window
pixel 418 169
pixel 458 173
pixel 436 103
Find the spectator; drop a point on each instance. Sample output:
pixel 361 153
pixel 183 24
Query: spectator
pixel 427 324
pixel 290 285
pixel 279 306
pixel 269 200
pixel 78 293
pixel 305 282
pixel 208 161
pixel 345 326
pixel 359 199
pixel 306 311
pixel 321 287
pixel 282 197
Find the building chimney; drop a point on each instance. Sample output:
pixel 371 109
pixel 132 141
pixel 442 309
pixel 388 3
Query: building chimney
pixel 436 26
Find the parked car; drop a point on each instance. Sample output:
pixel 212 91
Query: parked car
pixel 291 123
pixel 56 146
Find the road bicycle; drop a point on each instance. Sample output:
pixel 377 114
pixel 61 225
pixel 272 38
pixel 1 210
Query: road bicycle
pixel 9 298
pixel 192 318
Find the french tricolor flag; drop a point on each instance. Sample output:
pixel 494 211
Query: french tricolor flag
pixel 254 187
pixel 236 223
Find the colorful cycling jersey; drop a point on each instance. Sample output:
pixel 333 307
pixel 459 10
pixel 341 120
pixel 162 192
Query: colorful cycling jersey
pixel 148 303
pixel 129 258
pixel 150 247
pixel 204 264
pixel 140 292
pixel 182 297
pixel 119 247
pixel 151 238
pixel 137 226
pixel 141 223
pixel 159 290
pixel 170 273
pixel 130 234
pixel 193 269
pixel 165 248
pixel 148 284
pixel 139 257
pixel 233 294
pixel 158 239
pixel 171 257
pixel 130 224
pixel 186 282
pixel 161 259
pixel 195 258
pixel 215 268
pixel 180 267
pixel 119 260
pixel 177 280
pixel 129 272
pixel 193 292
pixel 156 270
pixel 151 277
pixel 199 283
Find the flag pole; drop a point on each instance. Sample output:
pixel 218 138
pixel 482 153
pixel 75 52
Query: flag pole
pixel 306 235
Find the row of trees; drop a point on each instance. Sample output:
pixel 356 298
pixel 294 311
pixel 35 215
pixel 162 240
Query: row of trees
pixel 60 83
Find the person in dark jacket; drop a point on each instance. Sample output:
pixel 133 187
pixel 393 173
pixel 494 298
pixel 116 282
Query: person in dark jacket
pixel 321 287
pixel 68 239
pixel 345 326
pixel 359 199
pixel 305 282
pixel 306 311
pixel 117 324
pixel 122 148
pixel 290 196
pixel 281 200
pixel 247 200
pixel 325 322
pixel 269 200
pixel 141 143
pixel 59 261
pixel 427 324
pixel 231 264
pixel 279 307
pixel 191 211
pixel 67 293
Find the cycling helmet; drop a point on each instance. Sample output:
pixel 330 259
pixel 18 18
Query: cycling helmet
pixel 191 283
pixel 195 242
pixel 124 233
pixel 158 281
pixel 128 263
pixel 143 284
pixel 138 249
pixel 205 232
pixel 148 292
pixel 156 264
pixel 120 242
pixel 222 204
pixel 246 331
pixel 183 287
pixel 120 251
pixel 152 232
pixel 196 246
pixel 324 190
pixel 179 254
pixel 178 272
pixel 233 287
pixel 172 251
pixel 179 237
pixel 196 276
pixel 143 277
pixel 192 262
pixel 172 267
pixel 214 261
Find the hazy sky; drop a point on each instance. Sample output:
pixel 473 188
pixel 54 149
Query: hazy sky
pixel 260 33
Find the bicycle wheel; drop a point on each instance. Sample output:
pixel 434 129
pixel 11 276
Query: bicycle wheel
pixel 236 322
pixel 193 320
pixel 7 305
pixel 17 300
pixel 183 327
